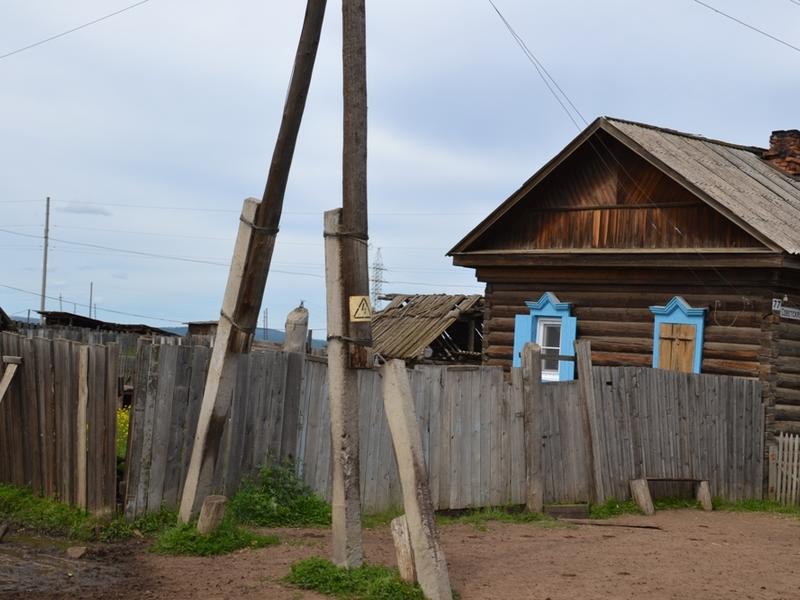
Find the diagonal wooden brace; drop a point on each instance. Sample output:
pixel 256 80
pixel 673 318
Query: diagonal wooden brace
pixel 13 363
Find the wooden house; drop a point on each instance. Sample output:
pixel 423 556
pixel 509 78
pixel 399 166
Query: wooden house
pixel 662 248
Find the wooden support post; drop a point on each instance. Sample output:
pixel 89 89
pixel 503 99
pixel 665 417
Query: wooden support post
pixel 231 339
pixel 641 494
pixel 249 269
pixel 354 177
pixel 80 424
pixel 8 375
pixel 211 514
pixel 533 408
pixel 343 395
pixel 703 495
pixel 296 330
pixel 429 558
pixel 403 550
pixel 583 355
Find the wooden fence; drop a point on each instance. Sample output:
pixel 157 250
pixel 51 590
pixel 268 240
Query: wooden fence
pixel 784 469
pixel 40 429
pixel 663 424
pixel 648 423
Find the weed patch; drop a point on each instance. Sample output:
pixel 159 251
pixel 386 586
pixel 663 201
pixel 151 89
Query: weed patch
pixel 228 537
pixel 368 582
pixel 277 498
pixel 24 509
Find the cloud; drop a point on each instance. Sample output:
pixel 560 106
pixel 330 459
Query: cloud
pixel 79 208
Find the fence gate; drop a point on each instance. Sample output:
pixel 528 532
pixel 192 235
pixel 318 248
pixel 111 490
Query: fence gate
pixel 784 469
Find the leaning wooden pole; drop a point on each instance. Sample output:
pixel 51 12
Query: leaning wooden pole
pixel 247 279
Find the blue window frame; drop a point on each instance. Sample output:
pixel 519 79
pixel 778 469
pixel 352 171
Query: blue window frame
pixel 543 316
pixel 678 311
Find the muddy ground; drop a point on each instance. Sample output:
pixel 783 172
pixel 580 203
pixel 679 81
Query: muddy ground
pixel 693 555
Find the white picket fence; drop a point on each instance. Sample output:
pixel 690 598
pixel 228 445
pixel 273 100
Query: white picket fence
pixel 785 469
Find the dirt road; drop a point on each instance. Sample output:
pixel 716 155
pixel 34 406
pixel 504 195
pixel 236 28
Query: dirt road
pixel 693 555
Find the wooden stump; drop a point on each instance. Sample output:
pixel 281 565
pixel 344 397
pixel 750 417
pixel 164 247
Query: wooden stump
pixel 402 546
pixel 704 495
pixel 211 514
pixel 641 494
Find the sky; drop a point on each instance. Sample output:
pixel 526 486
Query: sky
pixel 150 128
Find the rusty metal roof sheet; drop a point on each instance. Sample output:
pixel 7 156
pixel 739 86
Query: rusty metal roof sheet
pixel 409 324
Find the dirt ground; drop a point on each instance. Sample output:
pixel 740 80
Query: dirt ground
pixel 693 555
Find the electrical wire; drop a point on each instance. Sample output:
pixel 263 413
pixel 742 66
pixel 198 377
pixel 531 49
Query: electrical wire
pixel 756 29
pixel 74 29
pixel 542 71
pixel 82 304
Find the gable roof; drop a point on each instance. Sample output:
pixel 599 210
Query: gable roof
pixel 732 179
pixel 409 324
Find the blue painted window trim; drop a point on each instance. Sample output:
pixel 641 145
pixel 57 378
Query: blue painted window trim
pixel 525 327
pixel 678 311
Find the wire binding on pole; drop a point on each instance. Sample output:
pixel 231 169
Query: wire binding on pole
pixel 258 228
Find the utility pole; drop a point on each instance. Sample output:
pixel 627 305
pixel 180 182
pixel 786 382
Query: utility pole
pixel 247 277
pixel 91 292
pixel 266 324
pixel 60 303
pixel 347 285
pixel 46 244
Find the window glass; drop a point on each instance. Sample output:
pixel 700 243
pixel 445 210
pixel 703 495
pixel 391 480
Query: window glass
pixel 549 339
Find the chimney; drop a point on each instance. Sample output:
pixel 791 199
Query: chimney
pixel 784 151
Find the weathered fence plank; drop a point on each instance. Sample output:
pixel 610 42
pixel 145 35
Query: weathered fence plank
pixel 41 446
pixel 643 423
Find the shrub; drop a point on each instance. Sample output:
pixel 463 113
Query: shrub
pixel 228 537
pixel 277 498
pixel 123 424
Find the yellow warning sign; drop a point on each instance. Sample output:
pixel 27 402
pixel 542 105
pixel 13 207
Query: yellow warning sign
pixel 360 309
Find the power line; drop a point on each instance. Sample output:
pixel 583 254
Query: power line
pixel 310 213
pixel 540 69
pixel 543 73
pixel 74 29
pixel 756 29
pixel 82 304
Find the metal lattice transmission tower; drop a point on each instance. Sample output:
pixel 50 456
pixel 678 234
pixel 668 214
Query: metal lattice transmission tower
pixel 377 278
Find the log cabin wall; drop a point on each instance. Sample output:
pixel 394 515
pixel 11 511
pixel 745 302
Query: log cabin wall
pixel 742 336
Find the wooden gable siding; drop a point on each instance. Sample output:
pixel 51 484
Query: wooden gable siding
pixel 605 196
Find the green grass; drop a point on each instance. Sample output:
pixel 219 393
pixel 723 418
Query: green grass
pixel 278 498
pixel 368 582
pixel 380 519
pixel 480 517
pixel 613 508
pixel 228 537
pixel 617 508
pixel 767 506
pixel 26 510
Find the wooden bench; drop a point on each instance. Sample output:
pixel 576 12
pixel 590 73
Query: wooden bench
pixel 640 490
